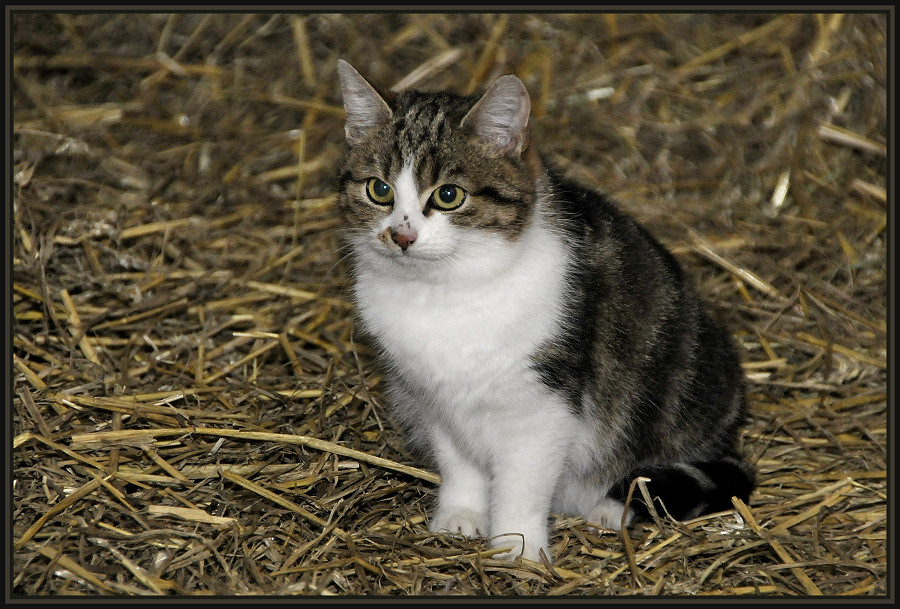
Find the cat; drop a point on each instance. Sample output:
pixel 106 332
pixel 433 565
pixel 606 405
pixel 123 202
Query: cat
pixel 539 345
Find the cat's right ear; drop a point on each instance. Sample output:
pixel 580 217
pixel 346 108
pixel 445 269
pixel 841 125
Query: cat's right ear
pixel 366 110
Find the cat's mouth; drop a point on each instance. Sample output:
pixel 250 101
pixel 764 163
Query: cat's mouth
pixel 407 254
pixel 410 255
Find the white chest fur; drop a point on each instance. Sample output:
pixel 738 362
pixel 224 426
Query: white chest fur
pixel 468 342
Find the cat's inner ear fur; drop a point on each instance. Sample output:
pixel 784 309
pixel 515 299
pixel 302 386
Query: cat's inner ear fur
pixel 500 117
pixel 366 110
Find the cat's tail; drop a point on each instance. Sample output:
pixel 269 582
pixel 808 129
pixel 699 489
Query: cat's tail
pixel 688 490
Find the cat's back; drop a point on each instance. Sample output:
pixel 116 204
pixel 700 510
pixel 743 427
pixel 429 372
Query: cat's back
pixel 603 231
pixel 639 347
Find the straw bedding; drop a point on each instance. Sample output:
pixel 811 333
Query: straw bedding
pixel 192 410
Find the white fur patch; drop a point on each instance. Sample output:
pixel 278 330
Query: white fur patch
pixel 407 203
pixel 466 325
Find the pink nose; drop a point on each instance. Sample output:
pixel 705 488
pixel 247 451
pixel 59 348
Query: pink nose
pixel 404 237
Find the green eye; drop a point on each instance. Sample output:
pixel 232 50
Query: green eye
pixel 447 197
pixel 380 192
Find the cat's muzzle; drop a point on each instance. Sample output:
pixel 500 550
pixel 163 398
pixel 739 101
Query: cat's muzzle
pixel 403 236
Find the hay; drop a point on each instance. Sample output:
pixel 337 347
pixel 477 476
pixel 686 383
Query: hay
pixel 192 412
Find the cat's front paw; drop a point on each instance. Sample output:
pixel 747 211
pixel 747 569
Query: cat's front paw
pixel 459 521
pixel 608 514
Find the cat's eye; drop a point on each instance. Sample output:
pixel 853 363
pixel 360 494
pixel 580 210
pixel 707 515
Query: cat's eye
pixel 380 192
pixel 448 197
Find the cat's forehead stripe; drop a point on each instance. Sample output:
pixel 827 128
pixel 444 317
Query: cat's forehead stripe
pixel 419 139
pixel 424 121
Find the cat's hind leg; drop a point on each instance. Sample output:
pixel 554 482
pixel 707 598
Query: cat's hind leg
pixel 610 514
pixel 585 495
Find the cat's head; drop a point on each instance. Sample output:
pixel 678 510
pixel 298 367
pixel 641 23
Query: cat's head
pixel 435 181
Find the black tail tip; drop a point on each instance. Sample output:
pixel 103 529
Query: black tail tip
pixel 687 490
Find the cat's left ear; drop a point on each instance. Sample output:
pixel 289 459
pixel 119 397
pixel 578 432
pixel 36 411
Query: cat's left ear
pixel 500 117
pixel 366 110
